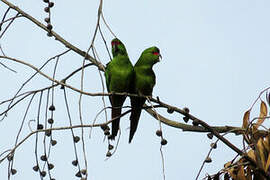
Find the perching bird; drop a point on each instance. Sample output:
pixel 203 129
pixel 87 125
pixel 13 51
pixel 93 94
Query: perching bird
pixel 118 74
pixel 144 82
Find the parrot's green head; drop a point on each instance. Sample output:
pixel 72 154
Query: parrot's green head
pixel 151 56
pixel 118 47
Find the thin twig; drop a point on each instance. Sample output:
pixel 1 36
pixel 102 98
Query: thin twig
pixel 71 129
pixel 4 17
pixel 10 19
pixel 107 25
pixel 4 64
pixel 54 34
pixel 163 162
pixel 28 80
pixel 1 35
pixel 19 132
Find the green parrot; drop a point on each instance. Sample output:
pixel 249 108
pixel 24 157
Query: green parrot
pixel 118 74
pixel 143 84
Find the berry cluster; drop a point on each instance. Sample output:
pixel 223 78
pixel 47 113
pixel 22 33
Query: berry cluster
pixel 48 19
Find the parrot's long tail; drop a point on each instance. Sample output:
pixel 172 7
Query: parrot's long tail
pixel 116 112
pixel 117 103
pixel 136 109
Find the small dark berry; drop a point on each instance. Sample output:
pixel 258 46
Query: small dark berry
pixel 35 168
pixel 48 133
pixel 186 110
pixel 83 171
pixel 10 157
pixel 39 126
pixel 49 34
pixel 47 9
pixel 170 110
pixel 164 142
pixel 43 173
pixel 62 87
pixel 78 174
pixel 43 158
pixel 185 119
pixel 52 108
pixel 210 135
pixel 107 132
pixel 103 127
pixel 214 145
pixel 208 160
pixel 50 166
pixel 159 133
pixel 110 147
pixel 47 20
pixel 50 121
pixel 195 123
pixel 49 26
pixel 51 4
pixel 53 142
pixel 13 171
pixel 75 163
pixel 110 137
pixel 109 154
pixel 76 139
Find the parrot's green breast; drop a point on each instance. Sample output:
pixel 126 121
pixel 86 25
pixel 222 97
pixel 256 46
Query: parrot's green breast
pixel 145 81
pixel 119 74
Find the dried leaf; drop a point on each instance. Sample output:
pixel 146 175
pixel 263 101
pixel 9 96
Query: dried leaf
pixel 227 164
pixel 267 163
pixel 248 173
pixel 263 114
pixel 251 154
pixel 266 143
pixel 261 150
pixel 241 174
pixel 246 119
pixel 230 169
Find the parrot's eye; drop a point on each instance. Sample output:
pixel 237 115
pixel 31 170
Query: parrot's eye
pixel 155 53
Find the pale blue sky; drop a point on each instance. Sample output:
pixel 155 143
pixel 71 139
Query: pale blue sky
pixel 215 61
